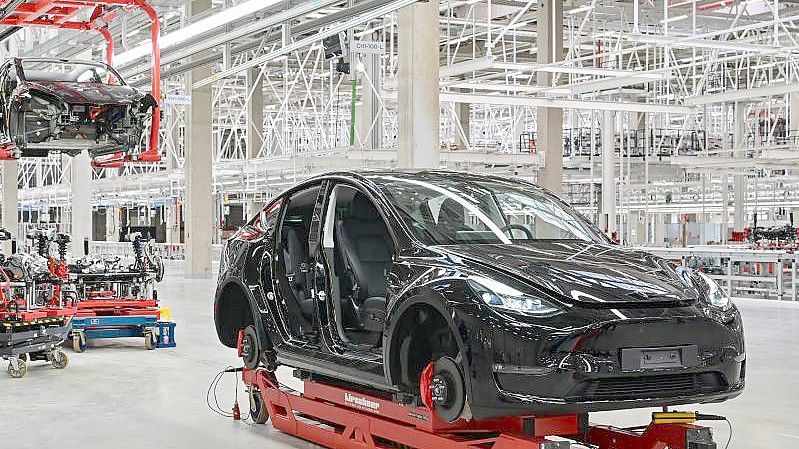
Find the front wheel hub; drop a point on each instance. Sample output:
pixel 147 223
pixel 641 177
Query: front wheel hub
pixel 246 347
pixel 443 389
pixel 440 389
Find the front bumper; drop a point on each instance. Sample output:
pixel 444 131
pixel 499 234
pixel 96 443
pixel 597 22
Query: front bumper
pixel 522 369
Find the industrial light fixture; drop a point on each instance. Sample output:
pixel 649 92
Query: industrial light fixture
pixel 197 28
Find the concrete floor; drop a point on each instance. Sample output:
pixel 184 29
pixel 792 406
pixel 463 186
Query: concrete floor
pixel 119 395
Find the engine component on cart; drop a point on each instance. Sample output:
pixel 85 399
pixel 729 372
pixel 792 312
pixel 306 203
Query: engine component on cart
pixel 36 306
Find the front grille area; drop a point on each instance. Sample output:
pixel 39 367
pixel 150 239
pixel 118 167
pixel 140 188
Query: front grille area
pixel 657 386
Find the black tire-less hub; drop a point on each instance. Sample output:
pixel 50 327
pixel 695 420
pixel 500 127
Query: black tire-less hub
pixel 449 389
pixel 249 348
pixel 440 386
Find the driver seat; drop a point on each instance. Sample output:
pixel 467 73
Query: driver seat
pixel 452 215
pixel 366 250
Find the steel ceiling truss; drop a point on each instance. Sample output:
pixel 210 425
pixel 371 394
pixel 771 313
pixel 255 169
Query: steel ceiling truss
pixel 615 54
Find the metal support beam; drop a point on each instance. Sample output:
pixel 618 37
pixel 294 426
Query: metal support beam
pixel 515 100
pixel 417 87
pixel 300 43
pixel 743 94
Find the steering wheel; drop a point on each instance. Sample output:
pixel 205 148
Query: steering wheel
pixel 512 226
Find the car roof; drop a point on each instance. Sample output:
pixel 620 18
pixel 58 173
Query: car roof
pixel 368 175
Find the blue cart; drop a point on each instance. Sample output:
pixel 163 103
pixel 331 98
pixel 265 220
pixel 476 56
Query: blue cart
pixel 157 334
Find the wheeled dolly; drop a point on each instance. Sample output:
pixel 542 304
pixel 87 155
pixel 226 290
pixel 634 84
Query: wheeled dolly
pixel 346 418
pixel 35 343
pixel 156 334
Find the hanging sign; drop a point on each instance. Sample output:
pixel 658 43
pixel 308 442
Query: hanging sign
pixel 177 99
pixel 369 47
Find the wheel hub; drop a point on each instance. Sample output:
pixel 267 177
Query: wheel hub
pixel 440 388
pixel 246 347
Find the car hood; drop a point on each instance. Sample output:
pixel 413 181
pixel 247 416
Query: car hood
pixel 86 93
pixel 586 272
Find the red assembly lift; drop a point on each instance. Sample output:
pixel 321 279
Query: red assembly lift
pixel 345 418
pixel 60 14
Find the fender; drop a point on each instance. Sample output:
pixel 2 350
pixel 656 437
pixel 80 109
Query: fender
pixel 257 317
pixel 430 298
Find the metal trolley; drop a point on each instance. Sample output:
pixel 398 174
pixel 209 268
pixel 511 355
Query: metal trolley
pixel 40 339
pixel 36 309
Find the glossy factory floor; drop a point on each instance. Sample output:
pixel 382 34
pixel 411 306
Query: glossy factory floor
pixel 118 395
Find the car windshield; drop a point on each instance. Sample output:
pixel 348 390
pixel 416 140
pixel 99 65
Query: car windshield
pixel 68 71
pixel 459 210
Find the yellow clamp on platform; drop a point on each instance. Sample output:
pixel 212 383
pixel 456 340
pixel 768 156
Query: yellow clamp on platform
pixel 164 314
pixel 674 417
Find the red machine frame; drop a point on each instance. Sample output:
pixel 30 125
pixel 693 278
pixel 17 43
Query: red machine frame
pixel 59 14
pixel 346 418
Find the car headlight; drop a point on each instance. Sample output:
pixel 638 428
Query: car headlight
pixel 502 296
pixel 715 294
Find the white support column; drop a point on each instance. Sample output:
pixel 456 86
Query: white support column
pixel 10 204
pixel 199 170
pixel 725 210
pixel 793 124
pixel 111 224
pixel 464 114
pixel 255 112
pixel 417 88
pixel 725 178
pixel 369 113
pixel 172 220
pixel 739 181
pixel 550 120
pixel 608 173
pixel 739 211
pixel 81 214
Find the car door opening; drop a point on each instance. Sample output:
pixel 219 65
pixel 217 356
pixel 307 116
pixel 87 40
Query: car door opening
pixel 296 284
pixel 361 253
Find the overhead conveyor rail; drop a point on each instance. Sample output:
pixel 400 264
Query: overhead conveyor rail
pixel 64 14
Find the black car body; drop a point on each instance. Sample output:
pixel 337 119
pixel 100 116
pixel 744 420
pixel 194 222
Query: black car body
pixel 56 105
pixel 369 277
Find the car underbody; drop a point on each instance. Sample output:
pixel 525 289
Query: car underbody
pixel 54 114
pixel 44 125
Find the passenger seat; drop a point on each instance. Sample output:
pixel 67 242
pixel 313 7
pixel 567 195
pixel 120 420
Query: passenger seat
pixel 367 250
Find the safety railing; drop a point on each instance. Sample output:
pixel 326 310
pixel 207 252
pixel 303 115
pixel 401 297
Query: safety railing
pixel 168 251
pixel 742 272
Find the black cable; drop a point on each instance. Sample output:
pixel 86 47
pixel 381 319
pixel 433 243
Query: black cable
pixel 212 397
pixel 212 388
pixel 729 439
